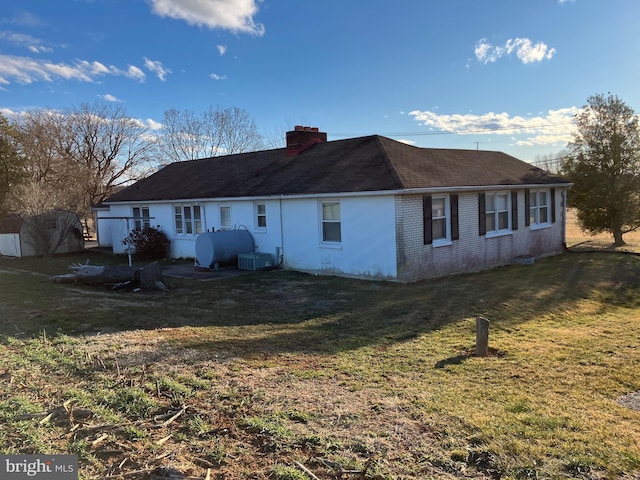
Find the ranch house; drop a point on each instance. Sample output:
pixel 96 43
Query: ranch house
pixel 367 207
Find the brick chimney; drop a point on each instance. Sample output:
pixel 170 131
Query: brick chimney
pixel 302 138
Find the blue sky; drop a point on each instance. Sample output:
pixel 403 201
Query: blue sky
pixel 496 74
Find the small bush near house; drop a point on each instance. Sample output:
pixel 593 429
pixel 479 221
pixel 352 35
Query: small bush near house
pixel 150 244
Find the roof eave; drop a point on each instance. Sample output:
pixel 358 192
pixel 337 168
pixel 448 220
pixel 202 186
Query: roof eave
pixel 370 193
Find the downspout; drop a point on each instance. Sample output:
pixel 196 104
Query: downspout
pixel 281 253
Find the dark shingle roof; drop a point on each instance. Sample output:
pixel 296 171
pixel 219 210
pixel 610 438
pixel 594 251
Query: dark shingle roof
pixel 361 164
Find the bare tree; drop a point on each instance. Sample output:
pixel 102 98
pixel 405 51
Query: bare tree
pixel 43 140
pixel 237 130
pixel 76 158
pixel 11 163
pixel 220 131
pixel 551 162
pixel 47 227
pixel 276 136
pixel 107 148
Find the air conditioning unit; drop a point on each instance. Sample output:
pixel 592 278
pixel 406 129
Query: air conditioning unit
pixel 254 261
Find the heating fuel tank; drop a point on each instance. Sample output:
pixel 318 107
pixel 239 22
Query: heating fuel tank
pixel 222 247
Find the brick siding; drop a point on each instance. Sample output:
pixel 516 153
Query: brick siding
pixel 472 252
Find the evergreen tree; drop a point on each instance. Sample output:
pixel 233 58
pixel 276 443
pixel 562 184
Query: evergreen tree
pixel 604 165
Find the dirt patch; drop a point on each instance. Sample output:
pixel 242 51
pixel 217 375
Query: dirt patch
pixel 631 400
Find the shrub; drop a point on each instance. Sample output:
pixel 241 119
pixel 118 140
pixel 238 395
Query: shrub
pixel 149 243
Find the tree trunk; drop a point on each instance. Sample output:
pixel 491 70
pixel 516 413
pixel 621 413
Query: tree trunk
pixel 105 275
pixel 618 241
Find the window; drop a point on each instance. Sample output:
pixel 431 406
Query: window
pixel 439 218
pixel 261 215
pixel 331 222
pixel 141 218
pixel 188 219
pixel 495 212
pixel 541 211
pixel 440 214
pixel 225 218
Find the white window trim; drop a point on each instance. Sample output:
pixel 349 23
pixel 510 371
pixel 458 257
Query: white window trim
pixel 536 225
pixel 446 241
pixel 144 221
pixel 184 223
pixel 504 231
pixel 225 227
pixel 257 227
pixel 328 243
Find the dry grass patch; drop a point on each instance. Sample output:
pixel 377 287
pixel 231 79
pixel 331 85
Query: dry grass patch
pixel 252 376
pixel 579 240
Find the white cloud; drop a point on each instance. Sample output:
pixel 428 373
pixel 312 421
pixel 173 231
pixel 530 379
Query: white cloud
pixel 135 73
pixel 234 15
pixel 524 49
pixel 8 113
pixel 222 49
pixel 153 125
pixel 215 76
pixel 157 68
pixel 552 127
pixel 21 39
pixel 110 98
pixel 39 49
pixel 26 19
pixel 27 70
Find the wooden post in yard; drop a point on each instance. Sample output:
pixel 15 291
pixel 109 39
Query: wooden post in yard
pixel 482 337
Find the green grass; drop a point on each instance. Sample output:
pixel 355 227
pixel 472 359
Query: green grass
pixel 277 367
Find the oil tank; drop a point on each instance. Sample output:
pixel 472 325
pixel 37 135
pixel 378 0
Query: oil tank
pixel 222 247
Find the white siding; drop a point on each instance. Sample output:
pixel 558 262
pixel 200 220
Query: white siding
pixel 10 245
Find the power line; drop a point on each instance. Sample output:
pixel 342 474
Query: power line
pixel 455 132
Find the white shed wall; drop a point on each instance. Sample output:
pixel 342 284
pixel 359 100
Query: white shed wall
pixel 10 245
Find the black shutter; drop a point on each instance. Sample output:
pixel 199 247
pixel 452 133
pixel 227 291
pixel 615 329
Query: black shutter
pixel 514 210
pixel 482 217
pixel 455 226
pixel 426 219
pixel 527 218
pixel 553 205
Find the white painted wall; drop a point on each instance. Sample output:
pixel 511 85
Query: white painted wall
pixel 104 227
pixel 368 246
pixel 10 245
pixel 367 226
pixel 183 245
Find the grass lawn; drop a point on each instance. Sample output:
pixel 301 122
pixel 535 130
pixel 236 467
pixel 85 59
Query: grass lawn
pixel 262 375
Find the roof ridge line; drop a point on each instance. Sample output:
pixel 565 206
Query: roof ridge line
pixel 397 178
